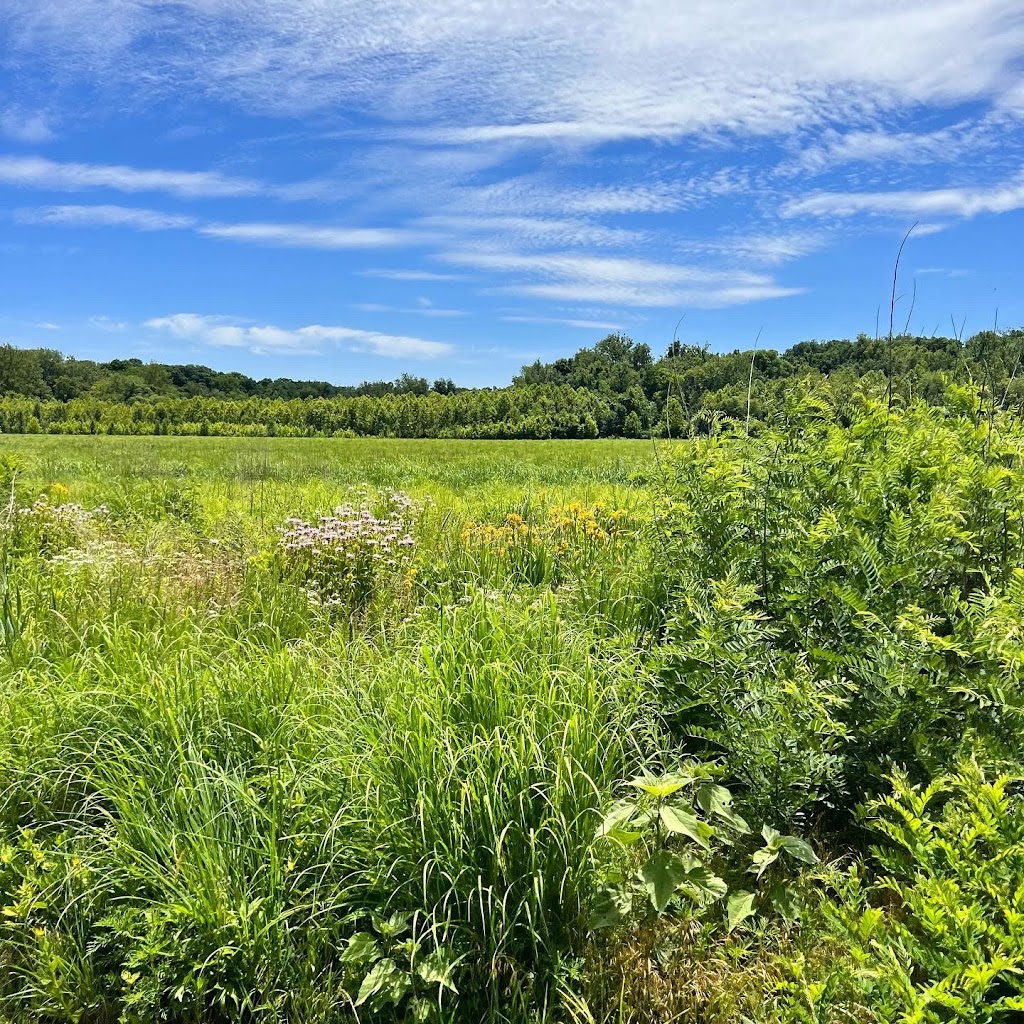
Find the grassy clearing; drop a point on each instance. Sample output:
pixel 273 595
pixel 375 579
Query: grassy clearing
pixel 331 730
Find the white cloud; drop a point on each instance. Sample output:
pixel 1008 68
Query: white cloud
pixel 108 323
pixel 950 202
pixel 314 236
pixel 941 272
pixel 25 126
pixel 764 249
pixel 579 70
pixel 621 281
pixel 410 275
pixel 542 194
pixel 104 216
pixel 296 236
pixel 226 331
pixel 38 172
pixel 539 231
pixel 587 325
pixel 419 310
pixel 45 325
pixel 833 148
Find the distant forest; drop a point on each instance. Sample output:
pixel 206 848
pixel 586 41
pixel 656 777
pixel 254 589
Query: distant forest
pixel 617 388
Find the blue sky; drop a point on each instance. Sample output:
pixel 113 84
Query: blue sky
pixel 348 190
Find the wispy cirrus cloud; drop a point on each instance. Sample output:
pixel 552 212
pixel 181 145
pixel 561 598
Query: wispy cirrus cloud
pixel 421 310
pixel 39 173
pixel 31 126
pixel 760 248
pixel 314 236
pixel 941 272
pixel 104 216
pixel 582 71
pixel 410 275
pixel 962 202
pixel 485 134
pixel 832 148
pixel 229 332
pixel 537 231
pixel 586 325
pixel 542 194
pixel 621 281
pixel 285 235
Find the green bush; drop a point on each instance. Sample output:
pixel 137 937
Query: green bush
pixel 936 930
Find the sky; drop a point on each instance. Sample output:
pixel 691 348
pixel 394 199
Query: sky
pixel 348 190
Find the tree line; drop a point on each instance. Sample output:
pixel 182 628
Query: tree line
pixel 616 388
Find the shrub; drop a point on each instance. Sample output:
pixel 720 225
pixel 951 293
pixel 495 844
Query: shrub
pixel 938 935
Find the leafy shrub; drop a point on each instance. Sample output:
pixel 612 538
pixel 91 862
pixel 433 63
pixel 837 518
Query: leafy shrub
pixel 823 578
pixel 938 935
pixel 682 834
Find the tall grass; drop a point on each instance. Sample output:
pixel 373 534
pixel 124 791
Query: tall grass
pixel 236 786
pixel 208 784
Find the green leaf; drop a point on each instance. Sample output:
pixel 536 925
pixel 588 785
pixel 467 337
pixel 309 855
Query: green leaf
pixel 702 885
pixel 610 907
pixel 613 825
pixel 683 823
pixel 663 787
pixel 386 983
pixel 717 800
pixel 421 1009
pixel 621 811
pixel 391 927
pixel 739 908
pixel 786 901
pixel 763 859
pixel 798 849
pixel 361 949
pixel 661 876
pixel 437 968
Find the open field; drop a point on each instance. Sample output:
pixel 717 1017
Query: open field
pixel 229 470
pixel 303 730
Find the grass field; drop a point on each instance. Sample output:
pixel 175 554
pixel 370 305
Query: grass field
pixel 320 731
pixel 226 766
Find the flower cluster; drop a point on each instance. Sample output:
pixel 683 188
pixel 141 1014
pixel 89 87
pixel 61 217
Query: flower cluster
pixel 567 537
pixel 576 521
pixel 344 558
pixel 51 529
pixel 565 527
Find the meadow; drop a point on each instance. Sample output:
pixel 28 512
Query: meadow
pixel 724 729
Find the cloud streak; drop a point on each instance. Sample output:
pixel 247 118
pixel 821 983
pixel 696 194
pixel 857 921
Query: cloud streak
pixel 228 332
pixel 291 236
pixel 586 325
pixel 963 202
pixel 104 216
pixel 421 310
pixel 39 173
pixel 620 281
pixel 311 236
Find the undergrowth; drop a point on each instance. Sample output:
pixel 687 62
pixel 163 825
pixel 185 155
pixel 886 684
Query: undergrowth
pixel 735 738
